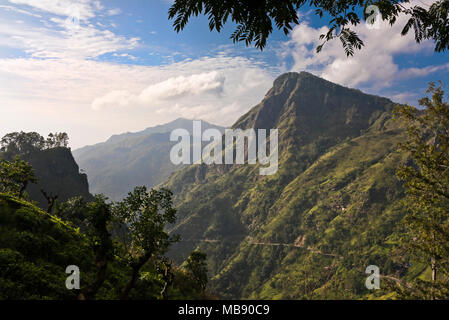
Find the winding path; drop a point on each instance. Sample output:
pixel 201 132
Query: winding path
pixel 273 244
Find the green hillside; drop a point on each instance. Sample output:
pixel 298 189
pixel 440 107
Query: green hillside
pixel 101 239
pixel 35 249
pixel 310 230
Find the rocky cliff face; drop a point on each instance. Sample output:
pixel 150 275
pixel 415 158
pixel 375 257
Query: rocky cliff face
pixel 57 174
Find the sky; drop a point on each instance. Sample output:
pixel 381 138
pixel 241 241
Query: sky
pixel 94 68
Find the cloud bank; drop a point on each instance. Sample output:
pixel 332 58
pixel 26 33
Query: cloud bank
pixel 374 67
pixel 63 78
pixel 106 98
pixel 181 87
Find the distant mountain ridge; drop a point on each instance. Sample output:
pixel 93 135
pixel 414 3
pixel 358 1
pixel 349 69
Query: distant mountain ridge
pixel 310 230
pixel 124 161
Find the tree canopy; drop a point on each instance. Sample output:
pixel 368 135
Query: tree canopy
pixel 15 176
pixel 145 215
pixel 196 264
pixel 255 18
pixel 426 181
pixel 23 143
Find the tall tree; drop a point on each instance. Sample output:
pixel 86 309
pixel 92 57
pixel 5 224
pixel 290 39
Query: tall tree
pixel 74 210
pixel 51 200
pixel 21 143
pixel 426 181
pixel 197 266
pixel 164 268
pixel 145 214
pixel 57 139
pixel 98 217
pixel 15 176
pixel 24 143
pixel 254 18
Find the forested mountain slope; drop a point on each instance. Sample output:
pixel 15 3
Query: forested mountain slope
pixel 310 230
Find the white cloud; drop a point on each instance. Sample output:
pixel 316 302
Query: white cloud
pixel 404 97
pixel 84 41
pixel 372 67
pixel 28 13
pixel 113 12
pixel 171 89
pixel 125 55
pixel 116 98
pixel 181 86
pixel 62 85
pixel 59 94
pixel 66 30
pixel 421 72
pixel 84 8
pixel 215 89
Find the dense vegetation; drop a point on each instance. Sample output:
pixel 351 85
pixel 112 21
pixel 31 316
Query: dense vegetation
pixel 426 180
pixel 332 209
pixel 255 19
pixel 37 247
pixel 118 248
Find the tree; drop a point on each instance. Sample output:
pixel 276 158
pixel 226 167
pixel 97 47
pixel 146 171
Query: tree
pixel 74 210
pixel 197 266
pixel 145 214
pixel 164 268
pixel 21 143
pixel 56 140
pixel 62 139
pixel 25 143
pixel 15 176
pixel 51 141
pixel 94 220
pixel 426 181
pixel 51 200
pixel 98 218
pixel 254 18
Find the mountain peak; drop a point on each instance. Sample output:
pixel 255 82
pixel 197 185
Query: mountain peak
pixel 313 106
pixel 289 80
pixel 293 76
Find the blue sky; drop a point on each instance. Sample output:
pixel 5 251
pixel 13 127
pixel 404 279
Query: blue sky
pixel 97 68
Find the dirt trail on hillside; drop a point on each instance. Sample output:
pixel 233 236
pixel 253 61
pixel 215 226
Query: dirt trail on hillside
pixel 252 241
